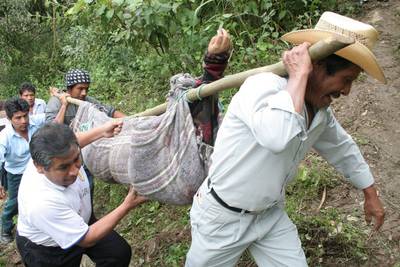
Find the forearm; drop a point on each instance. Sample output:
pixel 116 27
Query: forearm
pixel 340 150
pixel 214 66
pixel 60 115
pixel 85 138
pixel 296 87
pixel 104 226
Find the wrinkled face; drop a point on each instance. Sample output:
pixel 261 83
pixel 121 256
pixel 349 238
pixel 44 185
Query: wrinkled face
pixel 29 96
pixel 20 121
pixel 323 88
pixel 64 170
pixel 79 91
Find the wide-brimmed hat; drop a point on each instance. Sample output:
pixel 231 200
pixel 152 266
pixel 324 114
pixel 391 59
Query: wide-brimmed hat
pixel 331 24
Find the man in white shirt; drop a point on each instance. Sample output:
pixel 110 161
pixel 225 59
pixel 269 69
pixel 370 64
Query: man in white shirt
pixel 270 125
pixel 55 224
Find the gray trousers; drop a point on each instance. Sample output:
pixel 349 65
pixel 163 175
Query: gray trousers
pixel 220 236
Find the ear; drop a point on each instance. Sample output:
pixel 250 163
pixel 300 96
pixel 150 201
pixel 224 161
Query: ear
pixel 39 168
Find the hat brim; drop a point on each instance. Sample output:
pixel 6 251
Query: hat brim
pixel 357 53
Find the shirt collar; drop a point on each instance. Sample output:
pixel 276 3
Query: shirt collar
pixel 60 187
pixel 13 132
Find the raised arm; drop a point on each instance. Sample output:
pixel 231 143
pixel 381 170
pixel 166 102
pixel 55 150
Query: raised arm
pixel 56 108
pixel 217 56
pixel 297 62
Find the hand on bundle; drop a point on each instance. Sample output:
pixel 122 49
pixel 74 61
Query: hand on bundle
pixel 132 199
pixel 112 128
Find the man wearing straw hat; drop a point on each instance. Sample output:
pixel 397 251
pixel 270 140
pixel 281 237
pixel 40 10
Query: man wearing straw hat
pixel 270 125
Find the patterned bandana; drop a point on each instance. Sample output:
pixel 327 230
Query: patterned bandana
pixel 76 76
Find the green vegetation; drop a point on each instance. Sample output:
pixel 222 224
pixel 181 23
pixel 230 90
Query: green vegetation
pixel 131 48
pixel 125 44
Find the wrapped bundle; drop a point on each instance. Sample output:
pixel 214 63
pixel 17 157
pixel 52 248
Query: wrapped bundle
pixel 158 155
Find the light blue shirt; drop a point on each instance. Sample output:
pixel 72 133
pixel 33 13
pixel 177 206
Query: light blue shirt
pixel 263 139
pixel 38 107
pixel 14 149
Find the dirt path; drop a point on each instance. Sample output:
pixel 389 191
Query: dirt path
pixel 371 114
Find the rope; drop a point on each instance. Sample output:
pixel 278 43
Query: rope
pixel 183 95
pixel 198 91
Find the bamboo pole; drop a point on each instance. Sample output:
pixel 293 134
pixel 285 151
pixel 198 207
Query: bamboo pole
pixel 317 52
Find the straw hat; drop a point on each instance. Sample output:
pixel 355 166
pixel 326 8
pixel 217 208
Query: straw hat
pixel 334 24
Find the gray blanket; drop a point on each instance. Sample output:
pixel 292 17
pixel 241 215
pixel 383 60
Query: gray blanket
pixel 158 155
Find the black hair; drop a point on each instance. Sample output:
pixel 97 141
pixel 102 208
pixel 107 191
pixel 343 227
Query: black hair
pixel 27 87
pixel 50 141
pixel 335 63
pixel 14 105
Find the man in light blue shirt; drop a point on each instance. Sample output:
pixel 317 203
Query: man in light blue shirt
pixel 14 152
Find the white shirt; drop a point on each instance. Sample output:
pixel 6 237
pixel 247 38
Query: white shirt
pixel 53 215
pixel 262 140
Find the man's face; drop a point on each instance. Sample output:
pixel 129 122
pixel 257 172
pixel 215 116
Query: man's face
pixel 29 96
pixel 20 121
pixel 322 88
pixel 64 170
pixel 79 91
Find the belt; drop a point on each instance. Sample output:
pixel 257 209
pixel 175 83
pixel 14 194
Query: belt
pixel 220 201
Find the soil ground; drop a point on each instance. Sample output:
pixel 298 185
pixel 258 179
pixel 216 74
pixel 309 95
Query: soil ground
pixel 372 116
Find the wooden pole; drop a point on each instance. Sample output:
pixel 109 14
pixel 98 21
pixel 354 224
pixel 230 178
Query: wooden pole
pixel 317 51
